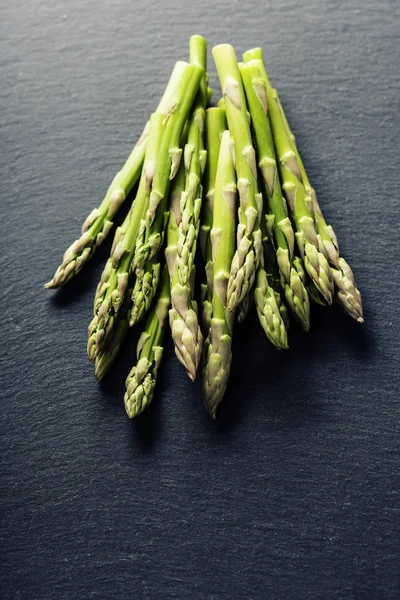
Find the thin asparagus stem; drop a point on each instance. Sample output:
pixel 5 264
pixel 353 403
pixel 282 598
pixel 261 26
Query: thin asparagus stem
pixel 346 292
pixel 114 282
pixel 215 125
pixel 299 202
pixel 142 379
pixel 218 345
pixel 271 311
pixel 249 245
pixel 107 355
pixel 280 229
pixel 274 279
pixel 187 345
pixel 151 235
pixel 186 332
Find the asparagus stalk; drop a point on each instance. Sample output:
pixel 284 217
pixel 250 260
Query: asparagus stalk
pixel 299 202
pixel 313 294
pixel 195 160
pixel 249 245
pixel 185 328
pixel 274 280
pixel 114 282
pixel 185 331
pixel 175 217
pixel 280 227
pixel 109 352
pixel 218 345
pixel 215 125
pixel 184 323
pixel 100 221
pixel 271 311
pixel 347 293
pixel 145 286
pixel 142 379
pixel 272 268
pixel 151 235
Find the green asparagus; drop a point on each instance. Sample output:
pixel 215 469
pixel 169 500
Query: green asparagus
pixel 142 379
pixel 249 244
pixel 185 328
pixel 195 160
pixel 280 228
pixel 185 332
pixel 218 345
pixel 347 293
pixel 215 125
pixel 115 278
pixel 109 352
pixel 271 311
pixel 274 279
pixel 299 202
pixel 151 235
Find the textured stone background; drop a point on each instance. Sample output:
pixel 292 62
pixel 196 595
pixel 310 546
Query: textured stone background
pixel 294 493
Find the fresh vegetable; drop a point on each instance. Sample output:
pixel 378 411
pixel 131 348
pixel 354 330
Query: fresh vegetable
pixel 228 180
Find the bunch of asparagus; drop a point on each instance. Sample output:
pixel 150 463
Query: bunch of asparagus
pixel 231 178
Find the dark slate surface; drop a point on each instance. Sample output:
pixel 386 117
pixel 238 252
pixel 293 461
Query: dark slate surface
pixel 294 494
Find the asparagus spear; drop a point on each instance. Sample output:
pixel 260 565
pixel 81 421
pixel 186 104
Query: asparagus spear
pixel 314 295
pixel 109 352
pixel 249 245
pixel 184 323
pixel 299 202
pixel 185 331
pixel 271 311
pixel 141 380
pixel 274 281
pixel 215 125
pixel 115 278
pixel 279 225
pixel 151 235
pixel 175 217
pixel 100 221
pixel 195 160
pixel 217 347
pixel 347 292
pixel 145 286
pixel 185 328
